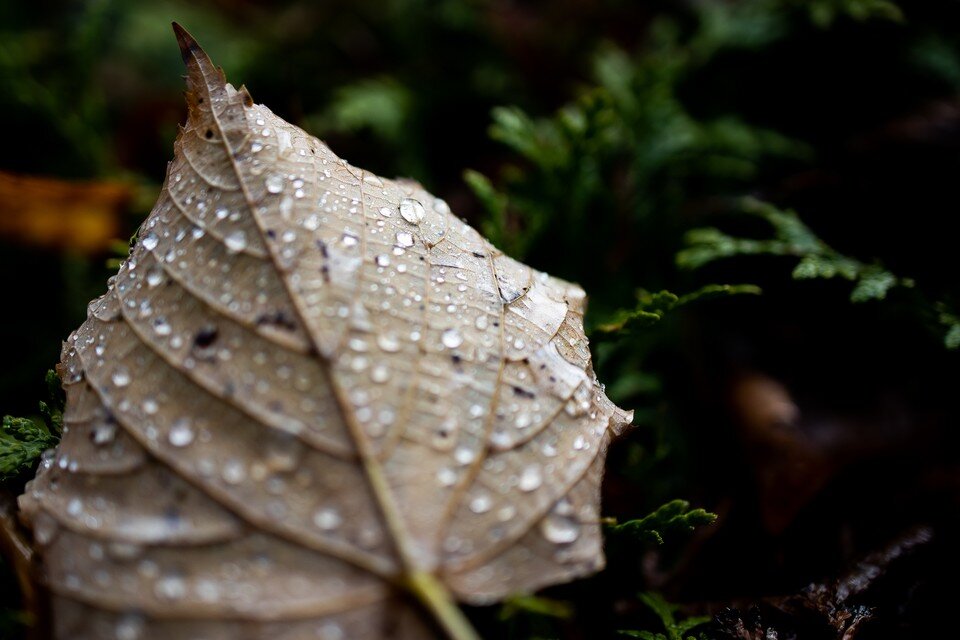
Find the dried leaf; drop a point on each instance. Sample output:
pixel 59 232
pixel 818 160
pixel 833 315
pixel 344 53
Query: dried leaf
pixel 309 394
pixel 81 216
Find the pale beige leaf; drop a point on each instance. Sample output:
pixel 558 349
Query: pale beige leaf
pixel 310 398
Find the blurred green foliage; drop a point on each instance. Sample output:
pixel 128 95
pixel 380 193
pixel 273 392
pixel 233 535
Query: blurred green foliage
pixel 675 630
pixel 22 440
pixel 598 142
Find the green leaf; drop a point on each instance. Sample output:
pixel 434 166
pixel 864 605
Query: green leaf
pixel 665 611
pixel 674 516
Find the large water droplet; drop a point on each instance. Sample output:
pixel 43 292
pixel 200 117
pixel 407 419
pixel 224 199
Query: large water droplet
pixel 150 241
pixel 559 530
pixel 327 519
pixel 451 338
pixel 236 241
pixel 388 342
pixel 531 478
pixel 412 211
pixel 274 183
pixel 121 376
pixel 481 504
pixel 181 433
pixel 463 456
pixel 154 277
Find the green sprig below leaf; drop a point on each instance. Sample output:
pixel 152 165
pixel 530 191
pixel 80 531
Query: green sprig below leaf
pixel 665 611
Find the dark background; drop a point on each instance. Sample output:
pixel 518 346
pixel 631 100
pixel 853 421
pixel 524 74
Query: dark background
pixel 819 430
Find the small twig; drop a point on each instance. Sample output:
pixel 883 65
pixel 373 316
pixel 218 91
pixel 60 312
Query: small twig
pixel 18 552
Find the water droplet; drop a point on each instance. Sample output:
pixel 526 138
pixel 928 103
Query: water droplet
pixel 181 433
pixel 235 241
pixel 161 327
pixel 388 342
pixel 580 443
pixel 481 504
pixel 559 530
pixel 380 374
pixel 129 627
pixel 327 519
pixel 451 338
pixel 349 240
pixel 170 588
pixel 234 472
pixel 383 260
pixel 441 206
pixel 75 507
pixel 121 376
pixel 274 183
pixel 463 456
pixel 412 211
pixel 154 277
pixel 150 241
pixel 404 239
pixel 104 433
pixel 370 178
pixel 530 478
pixel 150 406
pixel 446 476
pixel 386 212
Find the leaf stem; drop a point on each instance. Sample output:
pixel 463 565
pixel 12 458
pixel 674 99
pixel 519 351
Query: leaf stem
pixel 435 597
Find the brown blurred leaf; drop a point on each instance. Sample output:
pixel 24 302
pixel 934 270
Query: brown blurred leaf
pixel 47 212
pixel 309 394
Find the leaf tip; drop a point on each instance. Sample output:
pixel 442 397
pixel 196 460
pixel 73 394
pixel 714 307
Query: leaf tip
pixel 188 44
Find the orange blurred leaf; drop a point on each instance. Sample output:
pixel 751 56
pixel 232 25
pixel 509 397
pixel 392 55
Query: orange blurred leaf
pixel 66 215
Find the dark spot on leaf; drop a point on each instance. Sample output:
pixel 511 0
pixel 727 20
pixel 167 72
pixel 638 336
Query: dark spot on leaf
pixel 523 393
pixel 205 337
